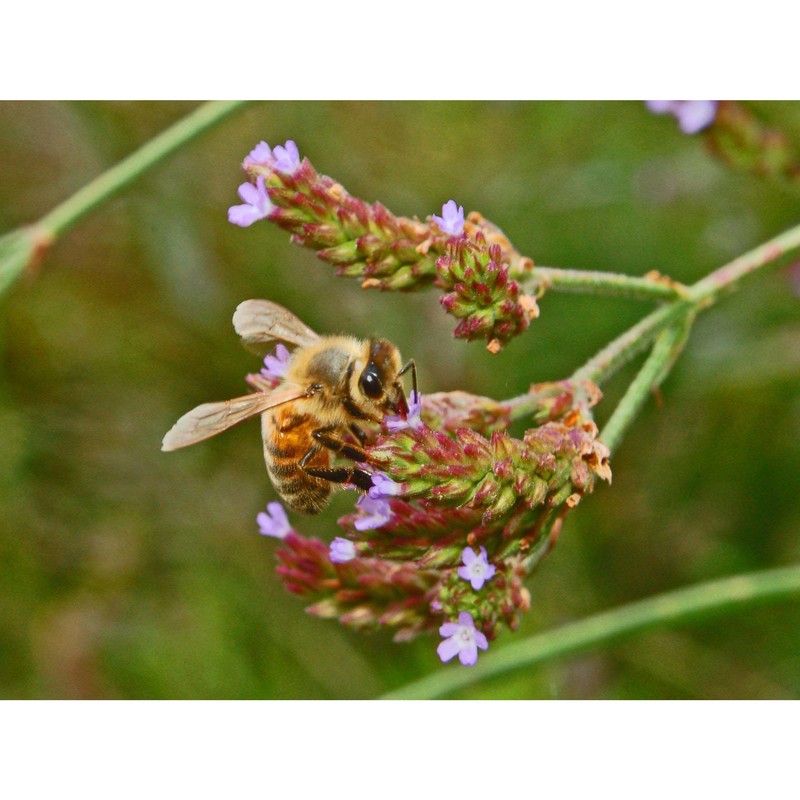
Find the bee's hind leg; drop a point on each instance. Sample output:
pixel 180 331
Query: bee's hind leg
pixel 355 476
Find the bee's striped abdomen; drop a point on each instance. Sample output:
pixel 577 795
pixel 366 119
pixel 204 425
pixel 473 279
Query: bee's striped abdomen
pixel 287 436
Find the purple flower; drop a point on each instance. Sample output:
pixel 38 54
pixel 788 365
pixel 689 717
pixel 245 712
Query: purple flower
pixel 342 550
pixel 283 158
pixel 395 422
pixel 462 638
pixel 273 522
pixel 477 569
pixel 275 366
pixel 256 206
pixel 259 156
pixel 287 158
pixel 383 486
pixel 692 115
pixel 452 220
pixel 376 510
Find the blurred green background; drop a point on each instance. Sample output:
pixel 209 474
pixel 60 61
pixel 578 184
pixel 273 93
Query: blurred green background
pixel 129 573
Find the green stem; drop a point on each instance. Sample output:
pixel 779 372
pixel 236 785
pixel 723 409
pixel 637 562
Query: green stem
pixel 673 608
pixel 21 248
pixel 65 215
pixel 655 368
pixel 698 297
pixel 635 340
pixel 604 283
pixel 708 291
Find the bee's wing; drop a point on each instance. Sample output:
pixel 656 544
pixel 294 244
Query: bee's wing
pixel 210 419
pixel 258 321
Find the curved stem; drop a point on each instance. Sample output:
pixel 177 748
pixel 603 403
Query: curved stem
pixel 19 249
pixel 604 283
pixel 672 608
pixel 65 215
pixel 699 297
pixel 628 345
pixel 707 291
pixel 665 351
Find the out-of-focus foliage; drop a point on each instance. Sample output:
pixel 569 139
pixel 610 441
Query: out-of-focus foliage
pixel 131 573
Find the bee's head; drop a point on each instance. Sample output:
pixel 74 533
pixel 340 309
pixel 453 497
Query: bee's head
pixel 379 384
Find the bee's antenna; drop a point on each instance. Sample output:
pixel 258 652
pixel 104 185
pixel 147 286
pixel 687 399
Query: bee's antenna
pixel 413 367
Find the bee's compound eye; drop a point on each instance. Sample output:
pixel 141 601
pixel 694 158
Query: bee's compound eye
pixel 370 383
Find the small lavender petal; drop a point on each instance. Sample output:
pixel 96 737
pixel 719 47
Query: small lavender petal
pixel 286 158
pixel 694 115
pixel 449 629
pixel 377 512
pixel 383 486
pixel 462 638
pixel 395 423
pixel 448 648
pixel 250 194
pixel 413 420
pixel 275 366
pixel 259 156
pixel 660 106
pixel 244 216
pixel 477 569
pixel 452 220
pixel 342 550
pixel 257 204
pixel 465 619
pixel 274 521
pixel 469 654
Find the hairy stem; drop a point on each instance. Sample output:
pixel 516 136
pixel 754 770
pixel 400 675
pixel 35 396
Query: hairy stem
pixel 672 608
pixel 604 283
pixel 658 364
pixel 699 297
pixel 627 346
pixel 708 291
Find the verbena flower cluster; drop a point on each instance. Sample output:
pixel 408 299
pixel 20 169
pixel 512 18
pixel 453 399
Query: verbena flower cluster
pixel 458 515
pixel 459 512
pixel 467 258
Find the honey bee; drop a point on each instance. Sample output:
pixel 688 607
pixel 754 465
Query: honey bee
pixel 332 385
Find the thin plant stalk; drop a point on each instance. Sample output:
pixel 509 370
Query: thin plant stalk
pixel 20 248
pixel 613 284
pixel 664 353
pixel 679 607
pixel 698 297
